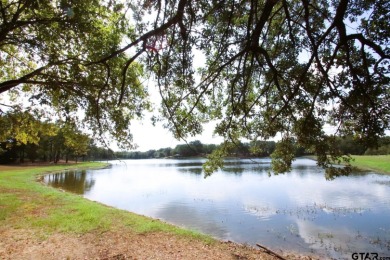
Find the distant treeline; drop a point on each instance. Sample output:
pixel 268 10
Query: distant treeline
pixel 70 144
pixel 346 145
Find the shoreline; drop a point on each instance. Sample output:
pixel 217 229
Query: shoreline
pixel 44 217
pixel 371 163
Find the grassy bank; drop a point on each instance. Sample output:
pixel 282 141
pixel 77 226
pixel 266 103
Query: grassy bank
pixel 379 163
pixel 28 204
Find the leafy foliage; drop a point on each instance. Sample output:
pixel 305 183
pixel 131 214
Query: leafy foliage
pixel 25 136
pixel 48 51
pixel 283 155
pixel 22 126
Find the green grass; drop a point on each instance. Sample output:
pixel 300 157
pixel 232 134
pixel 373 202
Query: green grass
pixel 27 203
pixel 9 203
pixel 379 163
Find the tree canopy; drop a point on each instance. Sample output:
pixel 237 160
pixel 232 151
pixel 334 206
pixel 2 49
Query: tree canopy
pixel 260 68
pixel 24 137
pixel 47 51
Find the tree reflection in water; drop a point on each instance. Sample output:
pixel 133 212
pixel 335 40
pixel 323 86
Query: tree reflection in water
pixel 74 181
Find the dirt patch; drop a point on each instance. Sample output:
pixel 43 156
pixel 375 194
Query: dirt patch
pixel 20 166
pixel 25 244
pixel 11 167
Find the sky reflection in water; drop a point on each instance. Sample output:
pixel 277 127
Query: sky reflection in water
pixel 298 211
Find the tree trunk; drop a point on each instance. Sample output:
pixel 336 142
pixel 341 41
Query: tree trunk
pixel 21 155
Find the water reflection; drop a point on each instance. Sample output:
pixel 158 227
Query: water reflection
pixel 73 181
pixel 196 171
pixel 191 218
pixel 235 170
pixel 298 211
pixel 387 183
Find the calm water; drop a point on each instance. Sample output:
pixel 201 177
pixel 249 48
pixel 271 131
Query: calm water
pixel 298 211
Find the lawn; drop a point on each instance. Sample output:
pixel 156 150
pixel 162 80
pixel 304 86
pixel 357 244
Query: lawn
pixel 380 163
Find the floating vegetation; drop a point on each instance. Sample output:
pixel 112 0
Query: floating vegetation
pixel 359 235
pixel 257 209
pixel 379 242
pixel 262 212
pixel 375 241
pixel 383 182
pixel 337 248
pixel 341 210
pixel 325 235
pixel 311 212
pixel 293 230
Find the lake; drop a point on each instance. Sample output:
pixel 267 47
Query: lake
pixel 298 211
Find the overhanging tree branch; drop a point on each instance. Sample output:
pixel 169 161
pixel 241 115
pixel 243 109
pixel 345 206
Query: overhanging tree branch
pixel 7 85
pixel 177 18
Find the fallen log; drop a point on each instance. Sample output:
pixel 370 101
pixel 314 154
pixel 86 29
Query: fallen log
pixel 270 252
